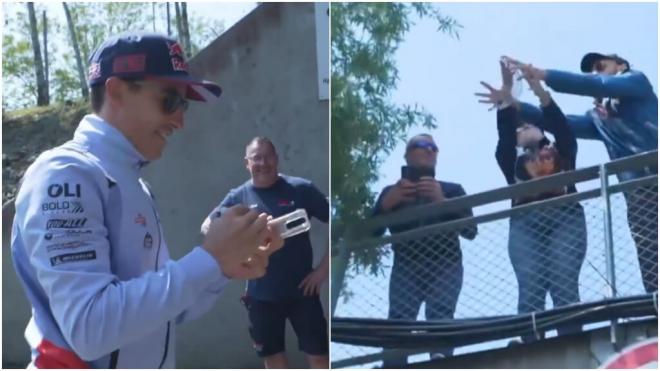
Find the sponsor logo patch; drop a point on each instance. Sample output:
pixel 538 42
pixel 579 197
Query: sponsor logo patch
pixel 94 71
pixel 175 49
pixel 66 190
pixel 68 233
pixel 129 63
pixel 63 207
pixel 73 257
pixel 148 241
pixel 66 223
pixel 140 219
pixel 66 245
pixel 179 64
pixel 285 203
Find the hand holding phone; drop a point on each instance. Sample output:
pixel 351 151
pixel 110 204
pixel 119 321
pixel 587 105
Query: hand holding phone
pixel 403 191
pixel 413 174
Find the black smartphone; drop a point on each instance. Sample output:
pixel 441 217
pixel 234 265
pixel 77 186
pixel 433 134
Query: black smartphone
pixel 414 173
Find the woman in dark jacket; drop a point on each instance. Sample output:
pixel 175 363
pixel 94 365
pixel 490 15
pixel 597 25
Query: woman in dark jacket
pixel 547 245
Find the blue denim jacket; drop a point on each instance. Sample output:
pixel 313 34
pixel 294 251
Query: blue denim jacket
pixel 627 125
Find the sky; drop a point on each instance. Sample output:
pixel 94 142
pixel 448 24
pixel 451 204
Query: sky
pixel 442 74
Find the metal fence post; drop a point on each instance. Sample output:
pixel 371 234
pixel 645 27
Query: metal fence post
pixel 339 266
pixel 609 243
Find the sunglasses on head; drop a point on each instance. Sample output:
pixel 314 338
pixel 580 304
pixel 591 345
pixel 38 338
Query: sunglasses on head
pixel 422 144
pixel 171 101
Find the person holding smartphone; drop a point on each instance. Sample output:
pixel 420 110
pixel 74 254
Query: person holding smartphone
pixel 290 289
pixel 427 269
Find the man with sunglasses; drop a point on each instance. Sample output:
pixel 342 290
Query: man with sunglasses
pixel 87 241
pixel 429 268
pixel 625 119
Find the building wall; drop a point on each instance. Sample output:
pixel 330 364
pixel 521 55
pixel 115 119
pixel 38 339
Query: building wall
pixel 266 65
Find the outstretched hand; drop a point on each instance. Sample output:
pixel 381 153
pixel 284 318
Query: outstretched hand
pixel 496 97
pixel 528 70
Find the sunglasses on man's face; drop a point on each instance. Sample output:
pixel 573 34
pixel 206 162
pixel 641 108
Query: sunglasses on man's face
pixel 421 144
pixel 171 100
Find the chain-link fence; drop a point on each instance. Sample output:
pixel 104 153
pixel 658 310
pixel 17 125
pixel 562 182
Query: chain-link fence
pixel 526 259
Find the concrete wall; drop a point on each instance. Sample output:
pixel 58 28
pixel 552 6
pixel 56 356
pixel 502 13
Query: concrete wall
pixel 15 306
pixel 266 65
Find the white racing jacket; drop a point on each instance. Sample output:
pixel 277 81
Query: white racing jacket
pixel 88 247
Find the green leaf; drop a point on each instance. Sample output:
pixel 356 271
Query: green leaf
pixel 366 124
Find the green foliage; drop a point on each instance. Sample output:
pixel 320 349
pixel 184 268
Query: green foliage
pixel 93 23
pixel 203 31
pixel 366 124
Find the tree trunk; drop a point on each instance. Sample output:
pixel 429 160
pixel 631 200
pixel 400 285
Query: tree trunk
pixel 46 69
pixel 42 96
pixel 186 29
pixel 179 28
pixel 169 29
pixel 74 41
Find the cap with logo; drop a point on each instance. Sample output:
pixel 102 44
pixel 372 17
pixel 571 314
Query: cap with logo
pixel 587 63
pixel 142 55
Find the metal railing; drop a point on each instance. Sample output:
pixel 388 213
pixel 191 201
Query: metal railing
pixel 543 260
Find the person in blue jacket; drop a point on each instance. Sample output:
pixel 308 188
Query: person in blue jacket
pixel 427 269
pixel 547 245
pixel 87 241
pixel 625 119
pixel 291 286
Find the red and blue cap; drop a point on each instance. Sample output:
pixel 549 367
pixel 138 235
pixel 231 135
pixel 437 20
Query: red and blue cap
pixel 142 55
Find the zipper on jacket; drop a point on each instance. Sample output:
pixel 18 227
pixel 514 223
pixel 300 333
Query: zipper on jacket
pixel 160 240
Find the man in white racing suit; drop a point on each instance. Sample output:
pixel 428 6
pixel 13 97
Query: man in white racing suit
pixel 87 242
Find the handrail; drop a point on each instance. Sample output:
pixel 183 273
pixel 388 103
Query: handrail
pixel 501 214
pixel 642 160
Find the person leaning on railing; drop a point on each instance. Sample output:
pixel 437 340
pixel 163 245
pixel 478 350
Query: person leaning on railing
pixel 547 245
pixel 625 119
pixel 427 268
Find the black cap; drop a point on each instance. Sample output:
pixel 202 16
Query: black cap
pixel 587 63
pixel 138 55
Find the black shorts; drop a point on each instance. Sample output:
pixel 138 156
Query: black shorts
pixel 267 325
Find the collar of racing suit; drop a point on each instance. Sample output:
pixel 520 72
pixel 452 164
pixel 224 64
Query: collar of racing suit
pixel 101 138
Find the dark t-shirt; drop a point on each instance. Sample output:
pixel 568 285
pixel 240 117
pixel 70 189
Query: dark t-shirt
pixel 440 248
pixel 288 266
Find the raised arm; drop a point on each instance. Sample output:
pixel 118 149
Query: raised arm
pixel 630 84
pixel 505 152
pixel 582 126
pixel 553 120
